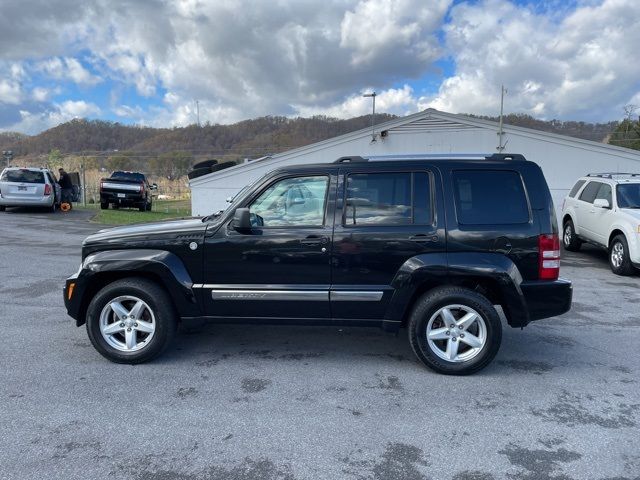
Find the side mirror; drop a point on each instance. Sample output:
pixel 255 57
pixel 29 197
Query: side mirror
pixel 601 203
pixel 242 219
pixel 229 199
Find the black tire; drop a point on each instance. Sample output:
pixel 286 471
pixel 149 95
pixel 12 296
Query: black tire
pixel 429 305
pixel 619 259
pixel 159 304
pixel 116 206
pixel 148 206
pixel 198 172
pixel 143 207
pixel 104 205
pixel 3 208
pixel 53 207
pixel 205 164
pixel 570 240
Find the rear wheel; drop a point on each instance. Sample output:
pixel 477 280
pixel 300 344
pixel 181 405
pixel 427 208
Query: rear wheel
pixel 148 206
pixel 53 207
pixel 104 205
pixel 131 321
pixel 455 331
pixel 619 259
pixel 142 207
pixel 570 240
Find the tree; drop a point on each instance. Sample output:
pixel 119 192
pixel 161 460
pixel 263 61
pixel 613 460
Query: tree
pixel 627 134
pixel 119 162
pixel 171 165
pixel 54 159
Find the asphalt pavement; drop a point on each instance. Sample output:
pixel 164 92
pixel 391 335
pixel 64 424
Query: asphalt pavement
pixel 560 401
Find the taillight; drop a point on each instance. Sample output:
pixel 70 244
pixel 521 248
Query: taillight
pixel 548 257
pixel 142 188
pixel 47 189
pixel 101 185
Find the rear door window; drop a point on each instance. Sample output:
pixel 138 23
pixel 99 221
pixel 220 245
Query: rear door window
pixel 391 198
pixel 590 191
pixel 490 197
pixel 22 176
pixel 576 187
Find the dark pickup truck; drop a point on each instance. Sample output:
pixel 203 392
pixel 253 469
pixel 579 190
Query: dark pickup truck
pixel 126 189
pixel 431 244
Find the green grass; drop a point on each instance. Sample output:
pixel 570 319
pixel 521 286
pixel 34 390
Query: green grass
pixel 162 210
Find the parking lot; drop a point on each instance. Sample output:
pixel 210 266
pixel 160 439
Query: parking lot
pixel 561 400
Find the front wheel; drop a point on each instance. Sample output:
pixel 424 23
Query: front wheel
pixel 619 259
pixel 104 205
pixel 131 321
pixel 455 331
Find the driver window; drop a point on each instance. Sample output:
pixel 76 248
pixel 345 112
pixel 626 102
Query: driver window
pixel 291 202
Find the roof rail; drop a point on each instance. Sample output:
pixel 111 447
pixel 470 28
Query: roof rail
pixel 352 159
pixel 613 174
pixel 507 156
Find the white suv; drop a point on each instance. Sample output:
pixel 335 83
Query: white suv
pixel 604 209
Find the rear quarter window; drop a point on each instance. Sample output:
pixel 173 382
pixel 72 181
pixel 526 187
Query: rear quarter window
pixel 22 176
pixel 490 197
pixel 576 187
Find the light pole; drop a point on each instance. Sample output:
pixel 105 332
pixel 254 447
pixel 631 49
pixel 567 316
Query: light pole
pixel 8 156
pixel 373 116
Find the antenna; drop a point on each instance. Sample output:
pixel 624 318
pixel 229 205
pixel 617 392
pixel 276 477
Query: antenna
pixel 501 146
pixel 373 116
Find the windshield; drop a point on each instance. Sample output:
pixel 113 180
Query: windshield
pixel 628 195
pixel 233 200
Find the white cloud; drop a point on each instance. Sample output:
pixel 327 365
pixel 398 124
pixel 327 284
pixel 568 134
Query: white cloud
pixel 399 101
pixel 582 66
pixel 10 92
pixel 66 68
pixel 33 122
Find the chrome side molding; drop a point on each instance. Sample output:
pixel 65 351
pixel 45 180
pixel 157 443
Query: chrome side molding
pixel 360 296
pixel 218 293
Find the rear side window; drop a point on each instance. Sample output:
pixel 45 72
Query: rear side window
pixel 576 187
pixel 22 176
pixel 490 197
pixel 590 191
pixel 398 198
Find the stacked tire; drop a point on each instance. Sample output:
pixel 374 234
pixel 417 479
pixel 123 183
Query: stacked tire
pixel 207 166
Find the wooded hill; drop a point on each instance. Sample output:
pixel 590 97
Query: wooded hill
pixel 249 138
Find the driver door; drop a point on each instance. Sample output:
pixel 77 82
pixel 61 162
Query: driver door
pixel 280 268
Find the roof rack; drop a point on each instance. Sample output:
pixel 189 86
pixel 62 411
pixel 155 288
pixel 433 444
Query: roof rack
pixel 352 159
pixel 434 156
pixel 613 174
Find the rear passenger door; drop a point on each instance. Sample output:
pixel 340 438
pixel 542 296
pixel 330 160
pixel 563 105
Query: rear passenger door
pixel 584 209
pixel 598 220
pixel 382 219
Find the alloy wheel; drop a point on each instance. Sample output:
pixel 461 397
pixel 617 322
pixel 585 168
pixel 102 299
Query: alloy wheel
pixel 568 233
pixel 617 254
pixel 127 323
pixel 456 333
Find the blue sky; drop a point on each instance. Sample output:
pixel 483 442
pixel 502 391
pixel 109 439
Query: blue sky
pixel 147 62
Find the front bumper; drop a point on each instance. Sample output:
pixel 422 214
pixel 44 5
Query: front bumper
pixel 73 292
pixel 546 299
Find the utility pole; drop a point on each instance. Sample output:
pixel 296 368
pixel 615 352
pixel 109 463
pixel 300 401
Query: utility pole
pixel 373 116
pixel 500 132
pixel 198 111
pixel 84 181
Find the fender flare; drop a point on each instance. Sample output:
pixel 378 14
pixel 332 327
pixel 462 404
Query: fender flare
pixel 431 270
pixel 161 265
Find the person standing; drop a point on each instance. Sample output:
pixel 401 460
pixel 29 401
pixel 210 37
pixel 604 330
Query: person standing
pixel 66 186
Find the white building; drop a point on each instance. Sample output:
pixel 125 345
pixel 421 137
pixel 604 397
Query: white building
pixel 563 159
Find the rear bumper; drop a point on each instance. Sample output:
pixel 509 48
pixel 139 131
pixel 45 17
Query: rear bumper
pixel 546 299
pixel 128 199
pixel 27 202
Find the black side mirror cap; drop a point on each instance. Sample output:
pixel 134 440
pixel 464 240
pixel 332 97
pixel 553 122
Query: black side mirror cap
pixel 242 219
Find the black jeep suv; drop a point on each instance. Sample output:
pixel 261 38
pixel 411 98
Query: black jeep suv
pixel 431 244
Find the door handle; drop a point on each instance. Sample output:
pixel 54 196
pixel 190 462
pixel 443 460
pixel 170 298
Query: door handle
pixel 422 238
pixel 314 240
